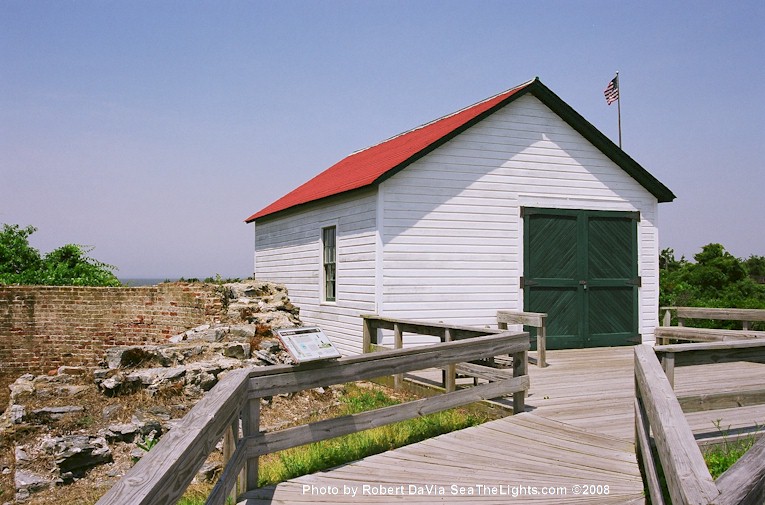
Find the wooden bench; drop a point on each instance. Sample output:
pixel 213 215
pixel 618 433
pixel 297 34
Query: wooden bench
pixel 667 332
pixel 536 319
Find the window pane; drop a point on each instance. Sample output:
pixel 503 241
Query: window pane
pixel 329 260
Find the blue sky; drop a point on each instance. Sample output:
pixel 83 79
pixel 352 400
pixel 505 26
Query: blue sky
pixel 151 130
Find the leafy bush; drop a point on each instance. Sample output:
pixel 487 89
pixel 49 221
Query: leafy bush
pixel 69 265
pixel 716 279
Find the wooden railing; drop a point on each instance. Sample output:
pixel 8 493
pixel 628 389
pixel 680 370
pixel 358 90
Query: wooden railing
pixel 163 474
pixel 446 333
pixel 667 331
pixel 536 319
pixel 659 413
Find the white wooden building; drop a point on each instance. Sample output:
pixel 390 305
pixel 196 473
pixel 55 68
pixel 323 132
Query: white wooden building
pixel 515 202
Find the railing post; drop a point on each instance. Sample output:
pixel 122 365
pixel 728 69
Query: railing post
pixel 542 343
pixel 668 365
pixel 368 328
pixel 450 381
pixel 230 440
pixel 667 318
pixel 398 343
pixel 520 367
pixel 251 428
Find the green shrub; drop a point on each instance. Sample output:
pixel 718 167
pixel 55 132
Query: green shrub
pixel 69 265
pixel 716 279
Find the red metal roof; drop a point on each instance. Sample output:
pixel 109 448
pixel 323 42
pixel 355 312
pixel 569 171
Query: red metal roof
pixel 368 166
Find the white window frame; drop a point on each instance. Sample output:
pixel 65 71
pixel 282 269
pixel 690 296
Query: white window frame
pixel 328 266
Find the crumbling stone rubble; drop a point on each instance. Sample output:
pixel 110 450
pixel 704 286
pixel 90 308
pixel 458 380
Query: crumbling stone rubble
pixel 77 419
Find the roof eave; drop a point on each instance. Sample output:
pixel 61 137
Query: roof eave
pixel 603 143
pixel 557 105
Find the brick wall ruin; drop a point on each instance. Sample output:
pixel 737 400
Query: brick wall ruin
pixel 44 327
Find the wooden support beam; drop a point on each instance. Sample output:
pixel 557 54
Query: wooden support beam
pixel 722 400
pixel 715 352
pixel 483 372
pixel 398 343
pixel 645 455
pixel 450 379
pixel 542 344
pixel 520 368
pixel 369 329
pixel 251 428
pixel 224 490
pixel 668 365
pixel 705 334
pixel 274 380
pixel 723 314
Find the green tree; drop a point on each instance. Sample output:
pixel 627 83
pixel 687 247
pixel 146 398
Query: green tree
pixel 755 265
pixel 69 265
pixel 16 256
pixel 715 279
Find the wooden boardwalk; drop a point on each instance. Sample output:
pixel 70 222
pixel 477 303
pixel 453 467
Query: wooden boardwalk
pixel 578 430
pixel 505 456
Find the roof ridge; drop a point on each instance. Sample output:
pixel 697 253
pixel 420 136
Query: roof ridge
pixel 445 116
pixel 374 164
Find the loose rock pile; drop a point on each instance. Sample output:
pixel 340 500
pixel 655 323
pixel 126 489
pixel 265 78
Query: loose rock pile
pixel 111 415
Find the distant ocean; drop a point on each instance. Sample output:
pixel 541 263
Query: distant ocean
pixel 146 281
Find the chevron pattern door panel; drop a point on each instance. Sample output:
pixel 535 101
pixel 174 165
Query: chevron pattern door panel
pixel 580 267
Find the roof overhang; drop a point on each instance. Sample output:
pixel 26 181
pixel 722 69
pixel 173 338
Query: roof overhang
pixel 375 164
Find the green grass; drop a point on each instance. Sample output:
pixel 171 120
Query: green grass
pixel 291 463
pixel 722 457
pixel 311 458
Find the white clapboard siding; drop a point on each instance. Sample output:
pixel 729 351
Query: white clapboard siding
pixel 449 240
pixel 288 251
pixel 452 232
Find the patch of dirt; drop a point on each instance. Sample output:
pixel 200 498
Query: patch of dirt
pixel 278 413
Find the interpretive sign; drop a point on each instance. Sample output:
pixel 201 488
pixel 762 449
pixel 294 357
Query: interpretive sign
pixel 307 344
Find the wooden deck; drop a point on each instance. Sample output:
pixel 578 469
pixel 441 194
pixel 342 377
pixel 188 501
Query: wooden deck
pixel 578 430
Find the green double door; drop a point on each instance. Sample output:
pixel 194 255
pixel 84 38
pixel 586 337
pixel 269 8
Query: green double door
pixel 580 267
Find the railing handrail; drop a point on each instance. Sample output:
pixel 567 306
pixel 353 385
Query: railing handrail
pixel 536 319
pixel 658 410
pixel 719 313
pixel 747 317
pixel 163 474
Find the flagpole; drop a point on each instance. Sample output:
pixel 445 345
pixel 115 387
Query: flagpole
pixel 619 107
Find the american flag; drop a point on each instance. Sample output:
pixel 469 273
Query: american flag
pixel 612 91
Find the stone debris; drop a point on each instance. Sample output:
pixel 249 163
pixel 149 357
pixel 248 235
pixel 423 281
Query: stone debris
pixel 209 472
pixel 190 364
pixel 72 370
pixel 110 411
pixel 76 453
pixel 27 483
pixel 57 412
pixel 17 413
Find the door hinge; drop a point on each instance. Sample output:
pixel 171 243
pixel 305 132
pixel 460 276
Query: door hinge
pixel 637 281
pixel 525 282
